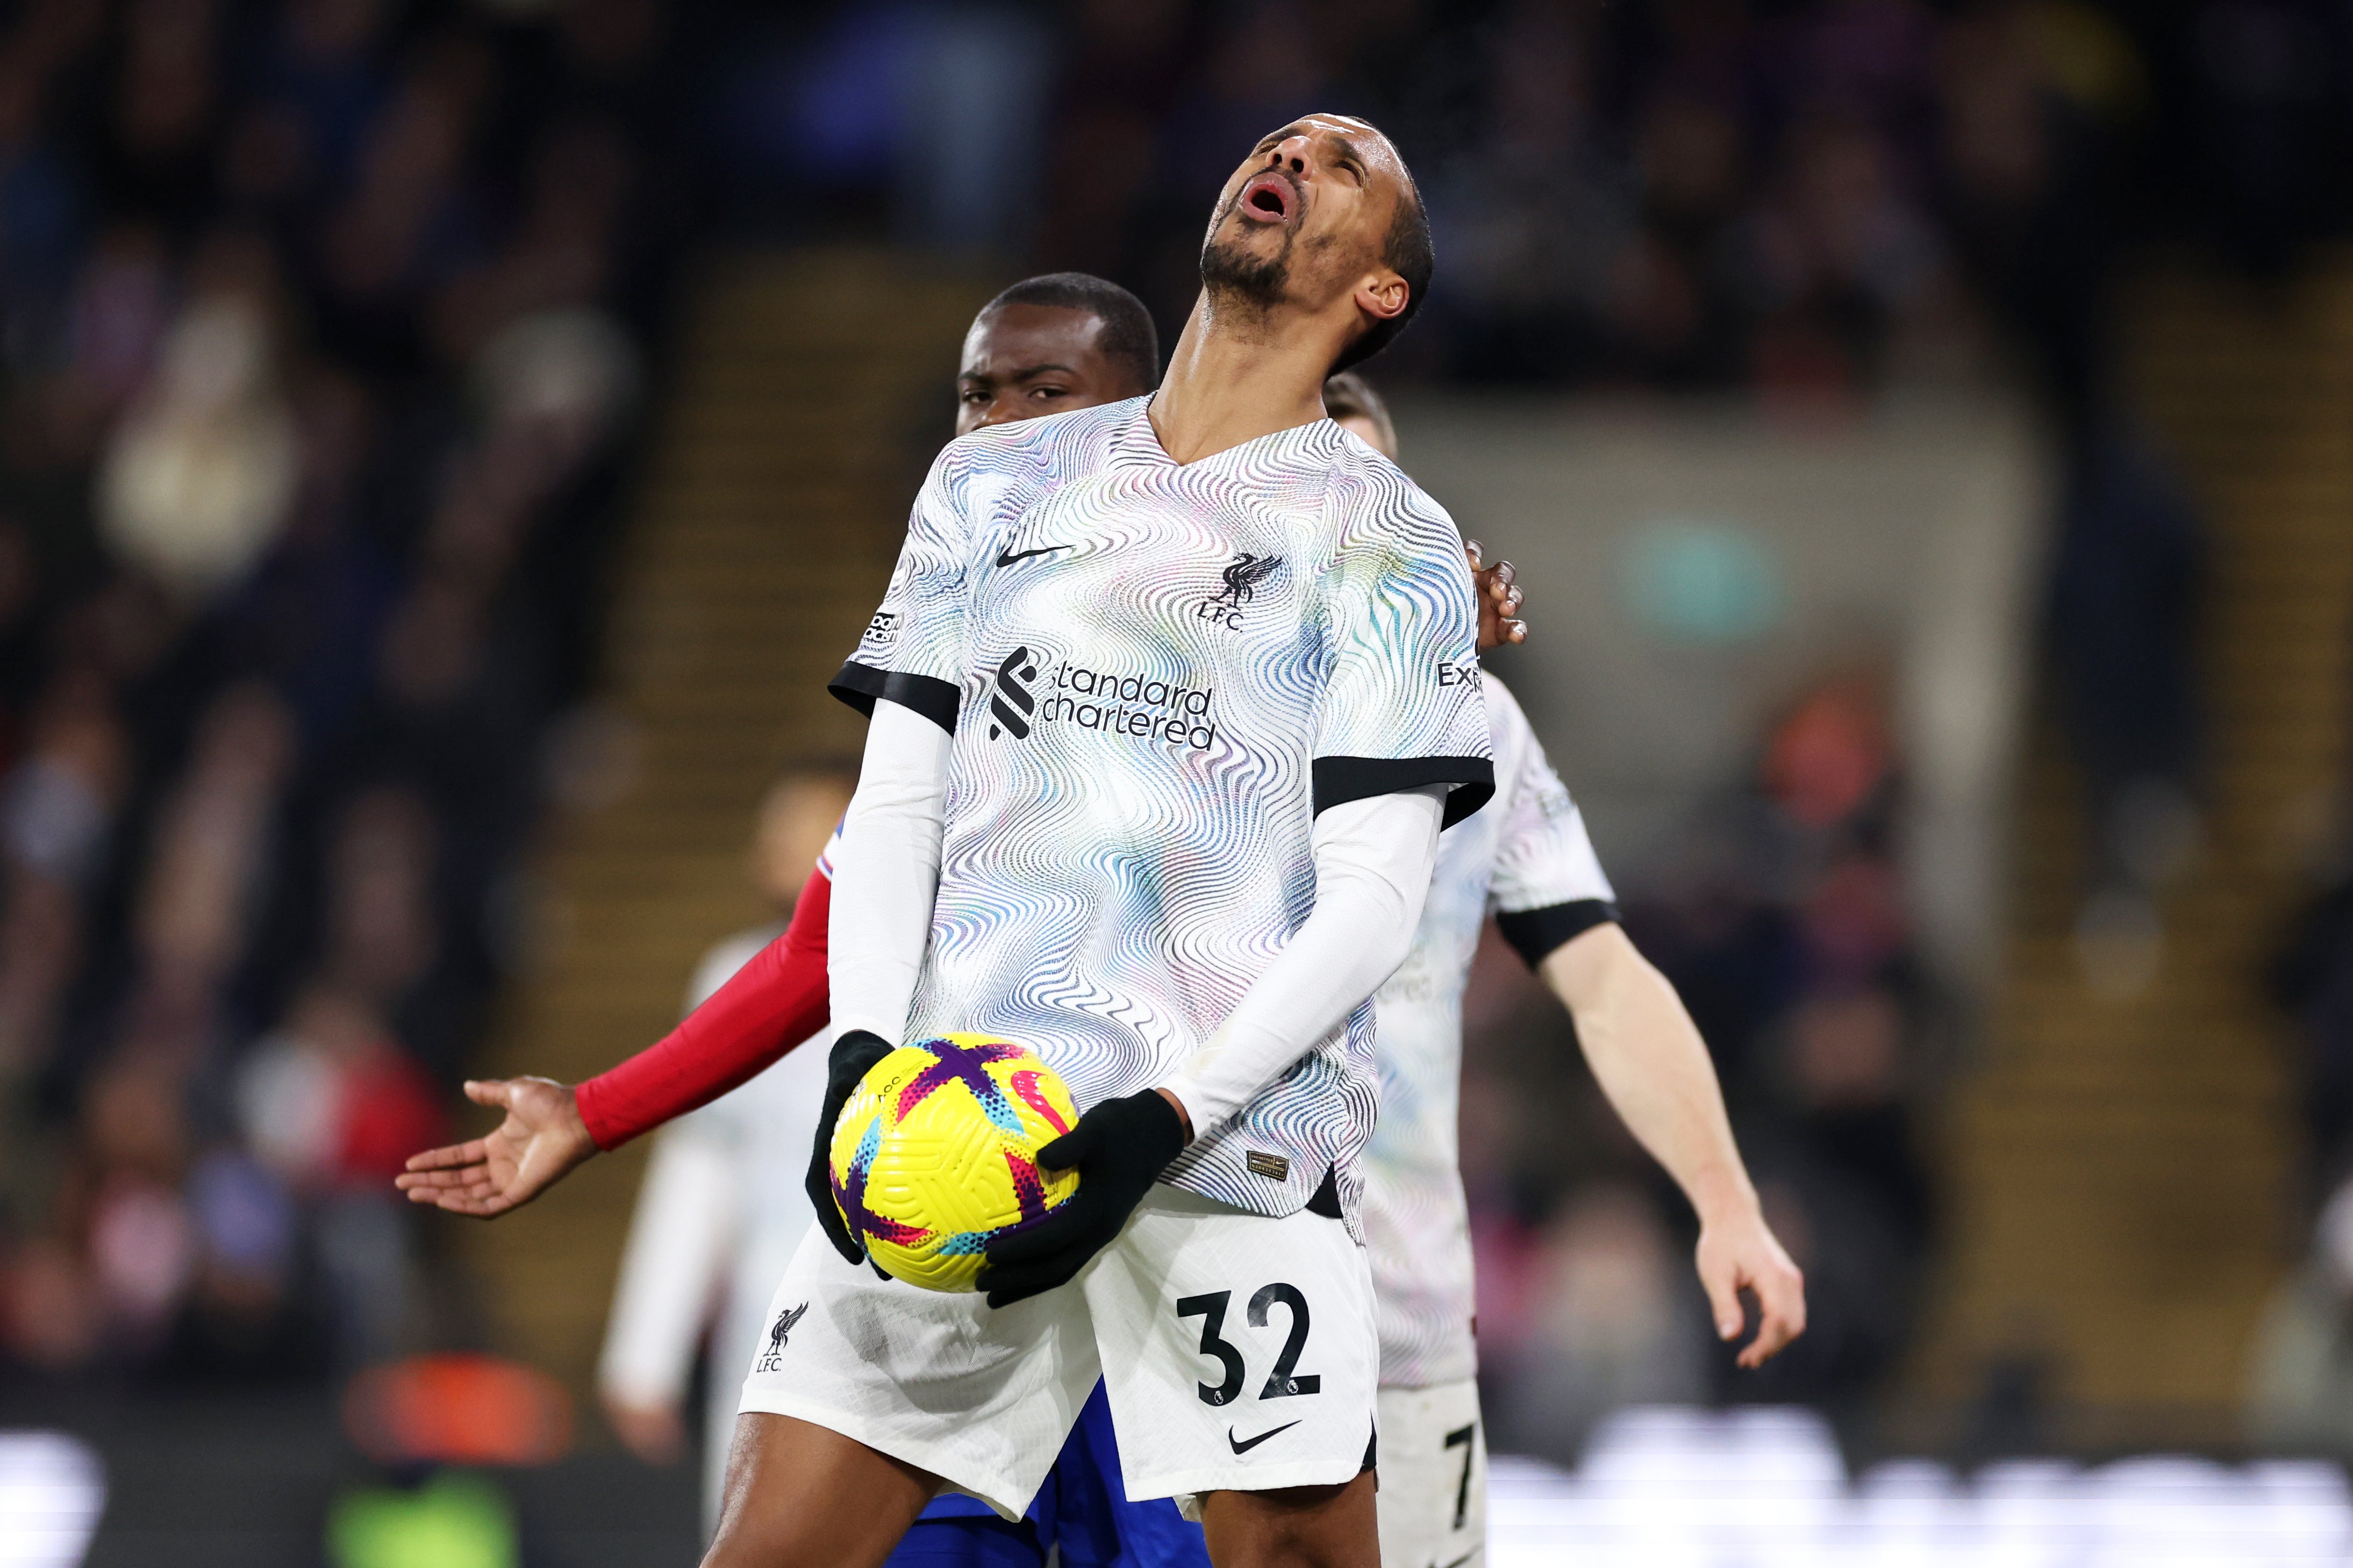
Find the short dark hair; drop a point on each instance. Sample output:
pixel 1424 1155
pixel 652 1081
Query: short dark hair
pixel 1129 337
pixel 1348 395
pixel 1407 252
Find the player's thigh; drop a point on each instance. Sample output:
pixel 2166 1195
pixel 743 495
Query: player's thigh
pixel 1239 1352
pixel 1293 1527
pixel 1433 1470
pixel 803 1496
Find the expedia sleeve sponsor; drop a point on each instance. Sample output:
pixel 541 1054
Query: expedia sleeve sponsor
pixel 1401 709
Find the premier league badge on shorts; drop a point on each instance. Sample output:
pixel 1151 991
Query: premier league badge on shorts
pixel 937 1153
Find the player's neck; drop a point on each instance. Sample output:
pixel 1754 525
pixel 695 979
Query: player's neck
pixel 1237 376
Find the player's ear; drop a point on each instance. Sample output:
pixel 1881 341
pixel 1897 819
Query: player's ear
pixel 1382 294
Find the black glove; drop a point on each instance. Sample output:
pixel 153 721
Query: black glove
pixel 853 1054
pixel 1119 1148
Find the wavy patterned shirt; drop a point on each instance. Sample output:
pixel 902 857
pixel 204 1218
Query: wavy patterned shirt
pixel 1157 675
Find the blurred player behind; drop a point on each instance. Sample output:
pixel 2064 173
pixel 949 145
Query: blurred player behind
pixel 1526 860
pixel 721 1209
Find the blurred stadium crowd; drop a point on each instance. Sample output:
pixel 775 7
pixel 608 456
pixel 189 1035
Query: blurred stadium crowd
pixel 321 328
pixel 325 326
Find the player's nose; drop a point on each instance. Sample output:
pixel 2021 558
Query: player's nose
pixel 1292 153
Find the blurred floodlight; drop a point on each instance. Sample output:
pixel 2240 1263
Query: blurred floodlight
pixel 1695 1481
pixel 52 1491
pixel 2028 1514
pixel 1536 1515
pixel 2170 1510
pixel 2310 1508
pixel 1911 1514
pixel 1766 1488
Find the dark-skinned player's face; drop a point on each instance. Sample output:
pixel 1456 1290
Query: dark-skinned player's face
pixel 1024 361
pixel 1307 215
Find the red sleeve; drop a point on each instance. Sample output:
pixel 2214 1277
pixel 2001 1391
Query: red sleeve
pixel 774 1003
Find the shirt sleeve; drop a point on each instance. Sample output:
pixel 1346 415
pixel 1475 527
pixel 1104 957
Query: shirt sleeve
pixel 775 1001
pixel 1373 860
pixel 912 652
pixel 1548 886
pixel 1401 706
pixel 887 873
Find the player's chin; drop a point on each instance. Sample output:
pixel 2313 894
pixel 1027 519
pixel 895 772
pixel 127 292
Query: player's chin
pixel 1243 232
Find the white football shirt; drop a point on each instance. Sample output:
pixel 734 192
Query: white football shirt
pixel 1157 675
pixel 1528 858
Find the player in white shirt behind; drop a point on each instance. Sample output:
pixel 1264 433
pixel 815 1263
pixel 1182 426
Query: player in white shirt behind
pixel 1526 858
pixel 721 1209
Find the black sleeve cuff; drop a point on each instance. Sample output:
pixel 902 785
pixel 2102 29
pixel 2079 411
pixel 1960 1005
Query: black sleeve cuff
pixel 1536 933
pixel 860 684
pixel 1339 780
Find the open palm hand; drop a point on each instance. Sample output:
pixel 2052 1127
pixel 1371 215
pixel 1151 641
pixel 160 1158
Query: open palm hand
pixel 541 1138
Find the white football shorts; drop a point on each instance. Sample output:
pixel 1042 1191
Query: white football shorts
pixel 1239 1352
pixel 1433 1496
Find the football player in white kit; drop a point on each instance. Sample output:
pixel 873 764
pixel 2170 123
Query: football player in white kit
pixel 1169 707
pixel 1525 859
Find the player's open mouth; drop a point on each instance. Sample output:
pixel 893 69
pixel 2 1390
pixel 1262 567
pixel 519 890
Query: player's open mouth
pixel 1269 199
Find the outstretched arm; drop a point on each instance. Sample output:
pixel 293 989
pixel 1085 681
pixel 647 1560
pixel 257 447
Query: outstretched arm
pixel 1650 1060
pixel 766 1008
pixel 772 1004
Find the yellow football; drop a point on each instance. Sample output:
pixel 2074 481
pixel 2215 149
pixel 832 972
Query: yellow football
pixel 937 1152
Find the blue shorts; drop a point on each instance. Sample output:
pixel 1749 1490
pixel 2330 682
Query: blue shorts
pixel 1083 1508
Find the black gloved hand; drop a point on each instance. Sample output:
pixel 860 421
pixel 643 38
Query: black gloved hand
pixel 1119 1148
pixel 853 1053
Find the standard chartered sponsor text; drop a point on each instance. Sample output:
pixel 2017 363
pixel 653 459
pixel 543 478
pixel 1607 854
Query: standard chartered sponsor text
pixel 1134 705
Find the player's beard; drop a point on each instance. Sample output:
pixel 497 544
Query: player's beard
pixel 1233 276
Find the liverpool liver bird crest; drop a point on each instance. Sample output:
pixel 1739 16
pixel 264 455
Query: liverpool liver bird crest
pixel 779 1333
pixel 1243 575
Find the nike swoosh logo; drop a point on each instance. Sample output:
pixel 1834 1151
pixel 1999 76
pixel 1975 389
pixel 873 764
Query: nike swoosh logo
pixel 1242 1448
pixel 1007 557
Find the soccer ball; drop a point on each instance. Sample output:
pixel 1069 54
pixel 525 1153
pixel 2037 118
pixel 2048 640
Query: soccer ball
pixel 937 1152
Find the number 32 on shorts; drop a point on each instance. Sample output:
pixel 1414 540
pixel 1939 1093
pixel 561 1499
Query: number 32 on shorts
pixel 1286 1380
